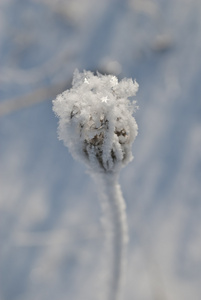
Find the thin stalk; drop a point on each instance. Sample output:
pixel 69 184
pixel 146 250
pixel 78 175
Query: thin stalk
pixel 116 231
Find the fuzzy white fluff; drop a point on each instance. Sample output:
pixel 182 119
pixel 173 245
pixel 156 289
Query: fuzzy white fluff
pixel 96 121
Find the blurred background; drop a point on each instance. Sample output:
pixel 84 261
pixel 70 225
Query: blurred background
pixel 51 238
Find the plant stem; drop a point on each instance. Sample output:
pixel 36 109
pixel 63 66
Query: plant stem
pixel 116 230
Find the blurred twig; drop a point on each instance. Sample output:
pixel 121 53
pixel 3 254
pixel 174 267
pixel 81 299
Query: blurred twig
pixel 37 96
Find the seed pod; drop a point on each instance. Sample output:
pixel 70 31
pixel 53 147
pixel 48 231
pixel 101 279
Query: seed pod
pixel 96 120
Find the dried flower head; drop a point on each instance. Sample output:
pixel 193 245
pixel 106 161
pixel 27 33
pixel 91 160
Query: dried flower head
pixel 95 120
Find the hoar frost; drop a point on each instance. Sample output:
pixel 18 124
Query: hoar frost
pixel 96 121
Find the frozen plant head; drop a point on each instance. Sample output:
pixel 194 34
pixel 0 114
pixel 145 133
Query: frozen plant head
pixel 96 120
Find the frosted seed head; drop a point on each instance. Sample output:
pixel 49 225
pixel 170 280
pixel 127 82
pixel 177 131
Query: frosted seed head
pixel 96 121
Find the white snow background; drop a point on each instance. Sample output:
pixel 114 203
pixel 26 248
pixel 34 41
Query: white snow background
pixel 51 238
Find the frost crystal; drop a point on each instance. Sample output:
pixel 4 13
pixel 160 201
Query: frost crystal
pixel 95 120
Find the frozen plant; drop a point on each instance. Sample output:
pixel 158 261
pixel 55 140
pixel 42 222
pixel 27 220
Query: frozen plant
pixel 96 123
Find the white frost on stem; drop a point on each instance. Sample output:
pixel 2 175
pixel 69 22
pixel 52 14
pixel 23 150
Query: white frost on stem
pixel 96 123
pixel 116 228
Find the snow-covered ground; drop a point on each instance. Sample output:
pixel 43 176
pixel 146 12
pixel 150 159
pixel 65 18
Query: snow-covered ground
pixel 51 238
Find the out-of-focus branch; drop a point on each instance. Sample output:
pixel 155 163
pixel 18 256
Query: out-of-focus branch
pixel 37 96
